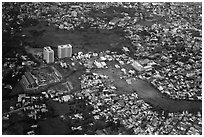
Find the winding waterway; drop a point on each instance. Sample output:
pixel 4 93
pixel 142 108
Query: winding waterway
pixel 151 95
pixel 147 92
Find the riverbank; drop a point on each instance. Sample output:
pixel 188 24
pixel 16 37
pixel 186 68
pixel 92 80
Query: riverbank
pixel 150 94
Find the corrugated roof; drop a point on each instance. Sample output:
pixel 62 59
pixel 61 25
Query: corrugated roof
pixel 114 20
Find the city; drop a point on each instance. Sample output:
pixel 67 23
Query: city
pixel 101 68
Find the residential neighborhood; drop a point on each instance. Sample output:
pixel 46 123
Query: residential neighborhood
pixel 101 68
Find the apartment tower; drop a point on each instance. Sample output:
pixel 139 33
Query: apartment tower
pixel 64 51
pixel 48 54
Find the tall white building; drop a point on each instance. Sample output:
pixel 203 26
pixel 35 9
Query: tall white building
pixel 69 50
pixel 61 51
pixel 64 51
pixel 48 54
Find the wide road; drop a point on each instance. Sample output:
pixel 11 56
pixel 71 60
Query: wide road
pixel 149 94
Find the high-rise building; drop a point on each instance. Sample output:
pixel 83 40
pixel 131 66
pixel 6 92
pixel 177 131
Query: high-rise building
pixel 64 51
pixel 69 50
pixel 44 53
pixel 61 51
pixel 48 54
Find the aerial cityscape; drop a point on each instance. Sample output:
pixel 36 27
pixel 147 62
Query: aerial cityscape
pixel 101 68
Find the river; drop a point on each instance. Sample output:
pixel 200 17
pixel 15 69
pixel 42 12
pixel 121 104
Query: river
pixel 147 92
pixel 153 96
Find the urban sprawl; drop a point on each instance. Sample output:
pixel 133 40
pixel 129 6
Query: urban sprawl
pixel 151 86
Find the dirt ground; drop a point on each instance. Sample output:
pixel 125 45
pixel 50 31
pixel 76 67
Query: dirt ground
pixel 87 40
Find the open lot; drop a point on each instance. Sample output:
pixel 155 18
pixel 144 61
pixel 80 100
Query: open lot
pixel 90 40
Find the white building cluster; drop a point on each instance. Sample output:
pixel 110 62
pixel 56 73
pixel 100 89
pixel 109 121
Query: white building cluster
pixel 63 52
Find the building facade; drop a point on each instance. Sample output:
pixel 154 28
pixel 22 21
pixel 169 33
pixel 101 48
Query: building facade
pixel 48 54
pixel 137 66
pixel 61 51
pixel 64 51
pixel 69 50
